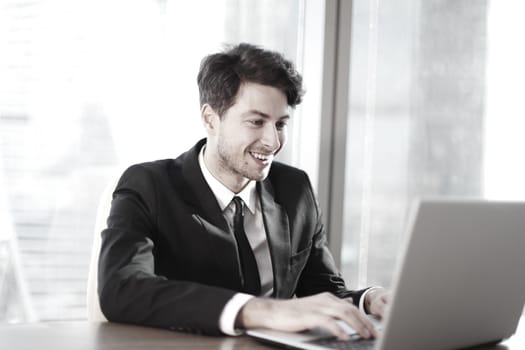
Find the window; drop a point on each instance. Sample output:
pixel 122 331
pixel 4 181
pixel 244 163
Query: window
pixel 434 111
pixel 89 87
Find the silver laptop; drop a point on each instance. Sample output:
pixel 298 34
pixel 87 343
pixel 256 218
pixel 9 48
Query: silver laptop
pixel 459 282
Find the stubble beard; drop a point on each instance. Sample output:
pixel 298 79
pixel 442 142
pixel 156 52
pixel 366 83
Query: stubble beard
pixel 238 167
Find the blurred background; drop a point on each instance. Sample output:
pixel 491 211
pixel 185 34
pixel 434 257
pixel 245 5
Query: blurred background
pixel 405 99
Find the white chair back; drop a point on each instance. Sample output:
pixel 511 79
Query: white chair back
pixel 94 313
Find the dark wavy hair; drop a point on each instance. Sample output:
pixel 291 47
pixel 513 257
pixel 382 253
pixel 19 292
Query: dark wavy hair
pixel 221 75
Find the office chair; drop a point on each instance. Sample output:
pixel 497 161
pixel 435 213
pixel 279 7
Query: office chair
pixel 92 302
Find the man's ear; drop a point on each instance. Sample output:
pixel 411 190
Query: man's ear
pixel 210 119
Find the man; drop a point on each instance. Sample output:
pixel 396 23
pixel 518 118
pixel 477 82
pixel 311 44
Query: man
pixel 222 238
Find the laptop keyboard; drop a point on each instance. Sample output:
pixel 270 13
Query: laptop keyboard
pixel 353 344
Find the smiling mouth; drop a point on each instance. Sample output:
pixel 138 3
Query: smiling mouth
pixel 265 158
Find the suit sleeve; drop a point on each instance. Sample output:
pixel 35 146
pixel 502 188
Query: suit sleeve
pixel 320 273
pixel 129 290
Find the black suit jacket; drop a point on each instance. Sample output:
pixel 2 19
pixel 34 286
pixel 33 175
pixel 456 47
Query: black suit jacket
pixel 168 258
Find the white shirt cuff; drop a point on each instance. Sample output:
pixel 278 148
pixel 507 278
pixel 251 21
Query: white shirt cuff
pixel 363 297
pixel 230 312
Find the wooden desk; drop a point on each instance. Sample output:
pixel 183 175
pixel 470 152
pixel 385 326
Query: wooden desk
pixel 111 336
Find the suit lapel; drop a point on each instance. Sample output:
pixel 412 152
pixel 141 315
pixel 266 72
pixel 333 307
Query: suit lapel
pixel 198 192
pixel 278 235
pixel 207 212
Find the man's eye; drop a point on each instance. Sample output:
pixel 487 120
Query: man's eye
pixel 257 122
pixel 280 125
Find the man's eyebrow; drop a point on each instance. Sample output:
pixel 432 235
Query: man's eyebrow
pixel 262 114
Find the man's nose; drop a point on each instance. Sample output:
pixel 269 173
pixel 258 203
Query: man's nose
pixel 271 137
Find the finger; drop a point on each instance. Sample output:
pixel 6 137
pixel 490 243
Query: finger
pixel 334 328
pixel 365 328
pixel 331 326
pixel 353 317
pixel 357 321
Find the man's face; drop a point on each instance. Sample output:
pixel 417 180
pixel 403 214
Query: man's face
pixel 249 135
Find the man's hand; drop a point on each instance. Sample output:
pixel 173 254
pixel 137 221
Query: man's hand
pixel 294 315
pixel 377 300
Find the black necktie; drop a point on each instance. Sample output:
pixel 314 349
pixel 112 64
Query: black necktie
pixel 250 274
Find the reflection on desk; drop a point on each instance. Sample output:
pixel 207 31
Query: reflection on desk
pixel 109 336
pixel 112 336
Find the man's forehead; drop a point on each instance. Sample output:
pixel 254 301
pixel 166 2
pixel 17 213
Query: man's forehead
pixel 262 114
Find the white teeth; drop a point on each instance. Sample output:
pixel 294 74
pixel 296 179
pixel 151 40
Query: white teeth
pixel 261 156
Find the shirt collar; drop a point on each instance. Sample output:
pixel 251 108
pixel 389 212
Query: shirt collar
pixel 222 193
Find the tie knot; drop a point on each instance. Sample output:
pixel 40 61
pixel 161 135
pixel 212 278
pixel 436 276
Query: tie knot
pixel 239 204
